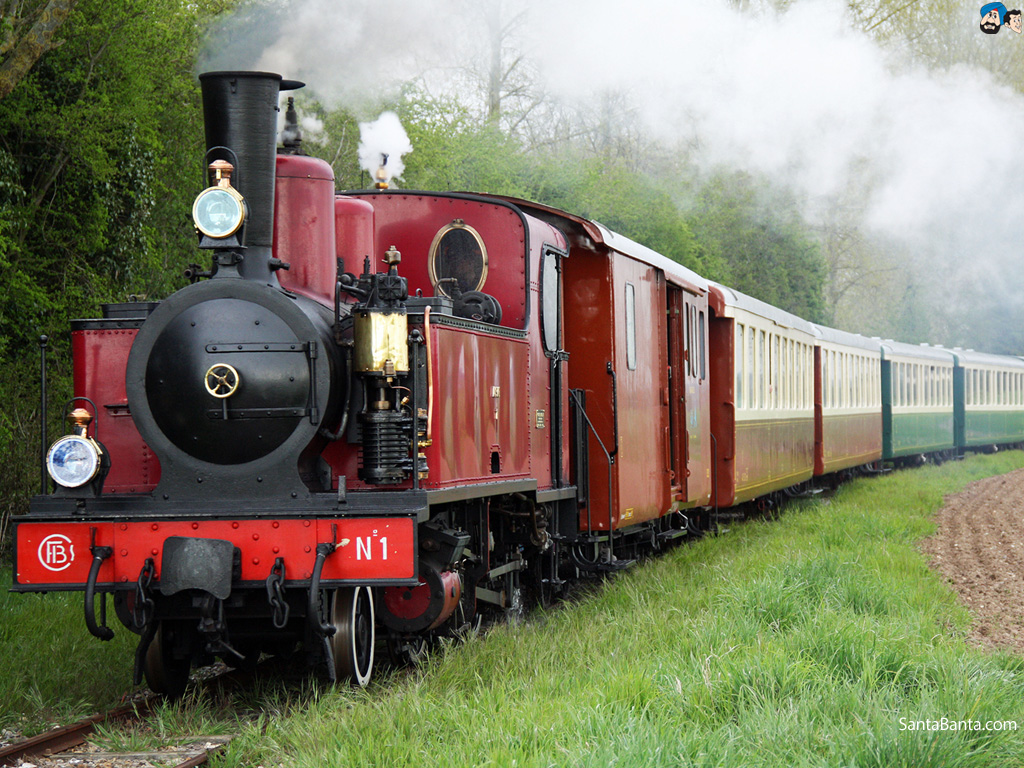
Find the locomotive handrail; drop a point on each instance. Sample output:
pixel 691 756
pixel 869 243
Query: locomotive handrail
pixel 608 458
pixel 44 484
pixel 615 411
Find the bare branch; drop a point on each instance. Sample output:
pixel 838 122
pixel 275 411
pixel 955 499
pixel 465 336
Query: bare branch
pixel 34 44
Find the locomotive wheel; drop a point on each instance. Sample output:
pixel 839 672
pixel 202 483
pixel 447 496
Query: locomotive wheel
pixel 354 638
pixel 164 673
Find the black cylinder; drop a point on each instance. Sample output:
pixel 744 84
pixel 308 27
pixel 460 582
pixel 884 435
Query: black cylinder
pixel 240 112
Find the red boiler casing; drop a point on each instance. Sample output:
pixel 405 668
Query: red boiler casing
pixel 353 232
pixel 100 350
pixel 304 226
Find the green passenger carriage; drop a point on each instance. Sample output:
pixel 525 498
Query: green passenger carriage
pixel 917 401
pixel 989 397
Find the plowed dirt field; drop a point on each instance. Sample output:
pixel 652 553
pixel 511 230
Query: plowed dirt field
pixel 979 548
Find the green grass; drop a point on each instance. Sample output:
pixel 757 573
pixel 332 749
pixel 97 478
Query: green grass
pixel 51 669
pixel 797 642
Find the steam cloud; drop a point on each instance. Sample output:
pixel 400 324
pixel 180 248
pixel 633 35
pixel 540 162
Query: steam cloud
pixel 934 160
pixel 384 137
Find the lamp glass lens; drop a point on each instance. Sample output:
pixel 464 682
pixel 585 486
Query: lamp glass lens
pixel 217 213
pixel 72 461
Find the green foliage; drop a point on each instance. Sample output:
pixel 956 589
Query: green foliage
pixel 454 152
pixel 633 204
pixel 100 153
pixel 757 231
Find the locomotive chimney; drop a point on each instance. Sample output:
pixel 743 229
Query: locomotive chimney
pixel 240 112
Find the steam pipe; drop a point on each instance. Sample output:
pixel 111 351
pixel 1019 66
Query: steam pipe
pixel 101 630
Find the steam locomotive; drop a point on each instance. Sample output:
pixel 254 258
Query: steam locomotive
pixel 505 398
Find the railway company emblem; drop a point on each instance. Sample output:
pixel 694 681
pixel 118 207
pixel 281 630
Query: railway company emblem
pixel 56 552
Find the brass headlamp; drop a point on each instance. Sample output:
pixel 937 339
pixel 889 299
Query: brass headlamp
pixel 219 210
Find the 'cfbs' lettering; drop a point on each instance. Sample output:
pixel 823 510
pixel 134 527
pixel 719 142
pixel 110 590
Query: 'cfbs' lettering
pixel 56 552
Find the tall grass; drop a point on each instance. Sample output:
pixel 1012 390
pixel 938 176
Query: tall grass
pixel 51 669
pixel 800 642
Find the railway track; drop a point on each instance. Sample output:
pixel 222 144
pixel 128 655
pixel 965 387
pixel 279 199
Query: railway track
pixel 69 744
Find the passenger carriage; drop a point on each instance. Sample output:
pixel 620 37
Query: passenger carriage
pixel 917 401
pixel 847 400
pixel 989 399
pixel 636 334
pixel 762 397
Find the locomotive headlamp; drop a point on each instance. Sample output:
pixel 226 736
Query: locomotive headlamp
pixel 75 459
pixel 219 210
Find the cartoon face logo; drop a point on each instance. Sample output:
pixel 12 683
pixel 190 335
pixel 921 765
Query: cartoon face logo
pixel 1012 19
pixel 992 17
pixel 56 552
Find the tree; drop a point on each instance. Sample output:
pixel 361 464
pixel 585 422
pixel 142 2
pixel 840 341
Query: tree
pixel 100 155
pixel 758 232
pixel 28 33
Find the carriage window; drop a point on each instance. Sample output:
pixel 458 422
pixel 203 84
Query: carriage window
pixel 700 341
pixel 824 379
pixel 773 364
pixel 740 358
pixel 693 342
pixel 549 299
pixel 857 383
pixel 844 382
pixel 790 347
pixel 784 373
pixel 762 371
pixel 630 327
pixel 752 395
pixel 799 392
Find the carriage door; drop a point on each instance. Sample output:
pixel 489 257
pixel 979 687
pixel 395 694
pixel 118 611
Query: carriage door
pixel 676 389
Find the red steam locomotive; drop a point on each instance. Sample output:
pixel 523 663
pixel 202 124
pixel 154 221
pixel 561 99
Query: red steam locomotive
pixel 505 398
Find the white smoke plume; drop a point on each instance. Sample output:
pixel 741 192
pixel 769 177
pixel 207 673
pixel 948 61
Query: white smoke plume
pixel 933 159
pixel 382 143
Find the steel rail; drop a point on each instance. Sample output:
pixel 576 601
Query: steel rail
pixel 69 736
